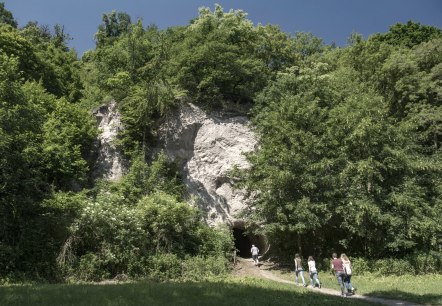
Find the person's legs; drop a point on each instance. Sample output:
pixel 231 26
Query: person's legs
pixel 345 277
pixel 312 279
pixel 350 286
pixel 302 277
pixel 296 278
pixel 317 280
pixel 340 278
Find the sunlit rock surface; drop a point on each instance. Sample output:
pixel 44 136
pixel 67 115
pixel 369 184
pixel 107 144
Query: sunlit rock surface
pixel 109 163
pixel 208 146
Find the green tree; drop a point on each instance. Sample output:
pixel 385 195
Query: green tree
pixel 292 171
pixel 114 24
pixel 60 69
pixel 13 44
pixel 409 34
pixel 350 151
pixel 22 180
pixel 68 136
pixel 6 16
pixel 217 60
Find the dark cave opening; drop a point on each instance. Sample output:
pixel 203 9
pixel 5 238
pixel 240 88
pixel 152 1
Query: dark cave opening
pixel 242 243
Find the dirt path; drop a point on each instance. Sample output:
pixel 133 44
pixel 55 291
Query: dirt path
pixel 246 267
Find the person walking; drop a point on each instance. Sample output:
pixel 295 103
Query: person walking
pixel 348 271
pixel 338 267
pixel 255 251
pixel 299 270
pixel 313 272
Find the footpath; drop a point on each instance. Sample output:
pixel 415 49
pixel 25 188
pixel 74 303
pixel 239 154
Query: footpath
pixel 247 267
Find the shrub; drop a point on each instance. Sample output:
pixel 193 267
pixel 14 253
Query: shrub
pixel 418 263
pixel 201 268
pixel 428 263
pixel 152 238
pixel 90 268
pixel 164 267
pixel 215 242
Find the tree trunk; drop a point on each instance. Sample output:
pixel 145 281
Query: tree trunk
pixel 299 243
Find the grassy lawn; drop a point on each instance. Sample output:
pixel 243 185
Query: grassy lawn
pixel 422 289
pixel 231 291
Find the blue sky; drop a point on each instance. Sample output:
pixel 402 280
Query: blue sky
pixel 331 20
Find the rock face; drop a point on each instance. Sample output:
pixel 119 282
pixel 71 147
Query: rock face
pixel 109 163
pixel 208 146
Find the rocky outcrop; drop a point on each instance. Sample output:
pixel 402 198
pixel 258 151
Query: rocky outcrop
pixel 109 163
pixel 208 146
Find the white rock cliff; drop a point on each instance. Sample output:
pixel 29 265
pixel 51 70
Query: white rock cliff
pixel 208 146
pixel 109 163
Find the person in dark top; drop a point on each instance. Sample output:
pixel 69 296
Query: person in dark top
pixel 299 270
pixel 338 267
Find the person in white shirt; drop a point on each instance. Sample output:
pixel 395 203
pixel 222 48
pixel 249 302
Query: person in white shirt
pixel 313 272
pixel 347 270
pixel 255 251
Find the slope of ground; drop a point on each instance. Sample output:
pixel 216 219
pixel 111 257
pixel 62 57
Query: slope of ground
pixel 246 267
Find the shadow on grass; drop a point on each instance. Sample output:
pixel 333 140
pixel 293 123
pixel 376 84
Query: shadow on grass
pixel 424 299
pixel 245 292
pixel 284 268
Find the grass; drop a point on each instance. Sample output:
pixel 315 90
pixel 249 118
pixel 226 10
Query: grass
pixel 422 289
pixel 230 291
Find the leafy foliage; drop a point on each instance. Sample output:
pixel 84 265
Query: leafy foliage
pixel 44 142
pixel 341 161
pixel 409 35
pixel 6 16
pixel 216 60
pixel 133 227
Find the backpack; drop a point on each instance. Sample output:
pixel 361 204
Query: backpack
pixel 347 268
pixel 298 264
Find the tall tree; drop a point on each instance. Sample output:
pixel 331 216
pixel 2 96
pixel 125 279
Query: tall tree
pixel 114 24
pixel 409 34
pixel 216 60
pixel 6 16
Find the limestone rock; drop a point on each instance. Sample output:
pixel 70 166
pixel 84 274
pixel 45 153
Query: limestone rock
pixel 109 163
pixel 208 146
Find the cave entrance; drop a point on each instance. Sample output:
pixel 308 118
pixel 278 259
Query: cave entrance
pixel 244 241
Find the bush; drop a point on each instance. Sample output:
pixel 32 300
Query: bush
pixel 152 238
pixel 428 263
pixel 90 268
pixel 360 265
pixel 419 263
pixel 164 267
pixel 215 242
pixel 201 268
